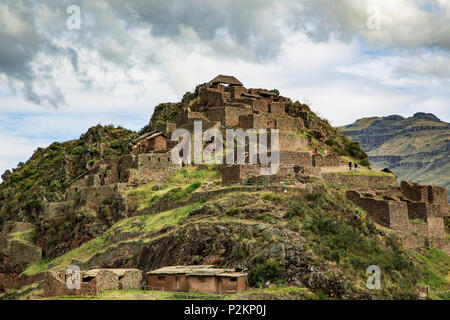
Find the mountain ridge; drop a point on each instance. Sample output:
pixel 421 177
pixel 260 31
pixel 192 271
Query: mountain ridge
pixel 416 148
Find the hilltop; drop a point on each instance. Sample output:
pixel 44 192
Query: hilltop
pixel 415 148
pixel 114 199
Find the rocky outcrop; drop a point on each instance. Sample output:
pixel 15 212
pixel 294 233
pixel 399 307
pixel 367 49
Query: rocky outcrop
pixel 17 251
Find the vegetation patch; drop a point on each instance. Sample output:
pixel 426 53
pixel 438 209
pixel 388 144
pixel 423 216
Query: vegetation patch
pixel 148 223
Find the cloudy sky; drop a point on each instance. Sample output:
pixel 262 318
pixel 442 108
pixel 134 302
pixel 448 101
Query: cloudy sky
pixel 348 58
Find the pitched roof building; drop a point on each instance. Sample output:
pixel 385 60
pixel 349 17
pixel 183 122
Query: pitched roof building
pixel 230 80
pixel 203 278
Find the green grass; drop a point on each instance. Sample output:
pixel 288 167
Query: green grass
pixel 340 233
pixel 435 266
pixel 150 295
pixel 32 291
pixel 273 197
pixel 179 194
pixel 286 291
pixel 149 223
pixel 182 184
pixel 367 173
pixel 202 174
pixel 279 291
pixel 25 237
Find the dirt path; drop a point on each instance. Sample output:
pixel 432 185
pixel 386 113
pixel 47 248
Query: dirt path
pixel 340 169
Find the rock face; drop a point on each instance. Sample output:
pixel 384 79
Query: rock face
pixel 17 248
pixel 221 243
pixel 415 149
pixel 17 251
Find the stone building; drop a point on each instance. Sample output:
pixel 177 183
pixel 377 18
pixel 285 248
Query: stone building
pixel 225 103
pixel 151 141
pixel 197 279
pixel 93 281
pixel 230 80
pixel 417 210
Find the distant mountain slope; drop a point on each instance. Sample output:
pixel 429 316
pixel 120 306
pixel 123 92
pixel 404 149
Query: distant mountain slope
pixel 415 148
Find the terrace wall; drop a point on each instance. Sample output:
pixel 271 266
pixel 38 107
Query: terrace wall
pixel 55 285
pixel 331 160
pixel 360 181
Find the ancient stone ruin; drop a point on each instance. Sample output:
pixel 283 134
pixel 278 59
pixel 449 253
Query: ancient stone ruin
pixel 92 282
pixel 224 103
pixel 416 211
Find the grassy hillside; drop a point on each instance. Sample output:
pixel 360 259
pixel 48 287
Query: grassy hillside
pixel 49 171
pixel 309 242
pixel 318 244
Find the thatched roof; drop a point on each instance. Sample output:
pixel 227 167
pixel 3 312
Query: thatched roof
pixel 230 80
pixel 150 135
pixel 201 270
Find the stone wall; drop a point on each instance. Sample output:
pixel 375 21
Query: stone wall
pixel 422 223
pixel 269 121
pixel 430 213
pixel 131 280
pixel 290 141
pixel 157 143
pixel 228 116
pixel 13 227
pixel 437 195
pixel 235 91
pixel 414 192
pixel 256 121
pixel 153 166
pixel 210 97
pixel 299 158
pixel 17 247
pixel 93 282
pixel 235 172
pixel 167 128
pixel 391 214
pixel 307 171
pixel 118 279
pixel 331 160
pixel 126 163
pixel 424 193
pixel 238 173
pixel 55 285
pixel 288 124
pixel 277 108
pixel 360 181
pixel 261 106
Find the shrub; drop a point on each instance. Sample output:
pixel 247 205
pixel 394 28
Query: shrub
pixel 77 151
pixel 154 198
pixel 275 92
pixel 103 213
pixel 55 186
pixel 364 163
pixel 262 273
pixel 272 197
pixel 15 177
pixel 354 150
pixel 233 212
pixel 298 209
pixel 192 187
pixel 115 144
